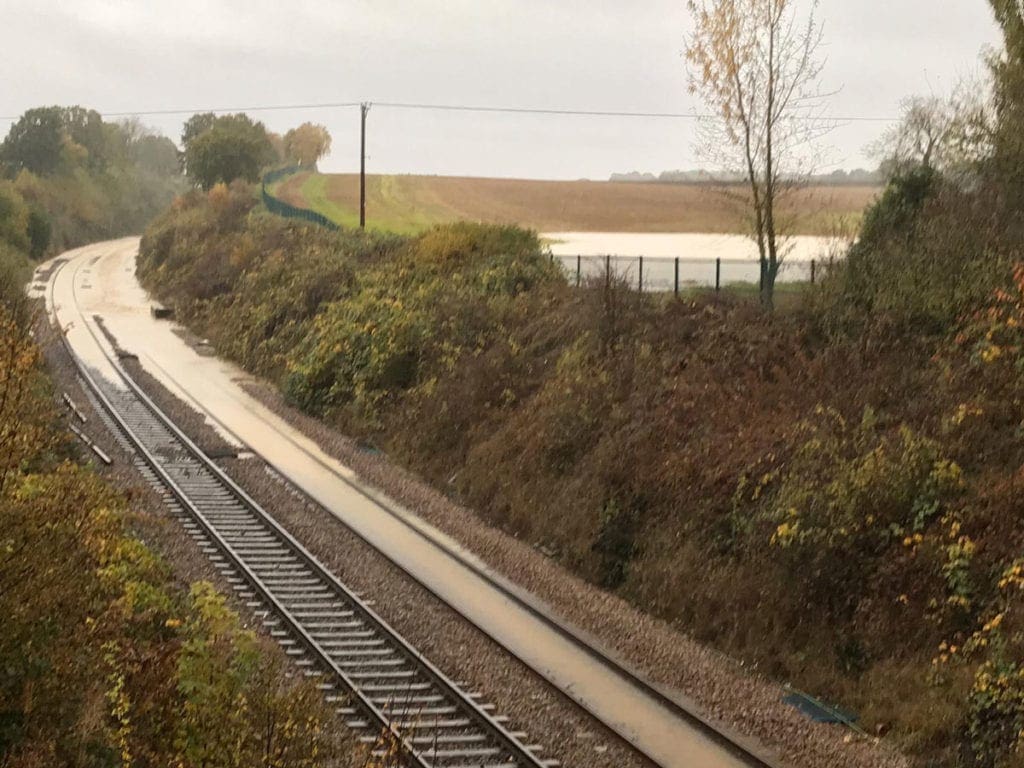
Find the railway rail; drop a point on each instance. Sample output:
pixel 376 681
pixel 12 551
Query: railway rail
pixel 382 687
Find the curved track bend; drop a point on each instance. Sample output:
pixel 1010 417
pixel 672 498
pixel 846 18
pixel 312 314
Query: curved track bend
pixel 331 633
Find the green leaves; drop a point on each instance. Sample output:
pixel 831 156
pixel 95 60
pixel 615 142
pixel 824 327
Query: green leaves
pixel 230 147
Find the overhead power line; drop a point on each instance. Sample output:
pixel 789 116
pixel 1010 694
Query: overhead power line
pixel 467 108
pixel 222 110
pixel 599 113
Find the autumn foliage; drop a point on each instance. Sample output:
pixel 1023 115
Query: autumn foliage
pixel 105 659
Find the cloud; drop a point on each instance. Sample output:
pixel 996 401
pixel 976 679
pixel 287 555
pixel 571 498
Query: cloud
pixel 130 55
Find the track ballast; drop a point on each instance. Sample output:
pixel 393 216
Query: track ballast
pixel 386 691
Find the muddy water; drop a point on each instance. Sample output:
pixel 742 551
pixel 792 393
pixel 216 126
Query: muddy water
pixel 99 280
pixel 697 256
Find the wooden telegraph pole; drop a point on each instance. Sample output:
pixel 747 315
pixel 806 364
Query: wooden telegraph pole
pixel 363 109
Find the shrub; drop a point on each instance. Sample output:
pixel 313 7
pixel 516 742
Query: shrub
pixel 928 253
pixel 851 495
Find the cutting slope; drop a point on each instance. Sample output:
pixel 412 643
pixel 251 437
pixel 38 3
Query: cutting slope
pixel 408 204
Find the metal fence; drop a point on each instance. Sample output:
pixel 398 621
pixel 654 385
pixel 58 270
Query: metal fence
pixel 663 274
pixel 289 211
pixel 650 274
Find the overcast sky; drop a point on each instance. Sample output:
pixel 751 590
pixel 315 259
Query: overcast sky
pixel 617 55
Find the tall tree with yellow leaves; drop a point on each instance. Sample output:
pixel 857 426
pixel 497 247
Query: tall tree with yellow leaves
pixel 307 144
pixel 755 65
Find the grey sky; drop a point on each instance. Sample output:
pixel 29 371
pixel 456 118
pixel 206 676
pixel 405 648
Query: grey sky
pixel 119 55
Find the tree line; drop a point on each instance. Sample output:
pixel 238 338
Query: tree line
pixel 68 177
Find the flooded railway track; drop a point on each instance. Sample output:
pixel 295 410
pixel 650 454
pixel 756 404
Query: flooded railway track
pixel 380 684
pixel 383 688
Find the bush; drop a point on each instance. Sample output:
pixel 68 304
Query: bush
pixel 413 316
pixel 103 660
pixel 851 495
pixel 928 253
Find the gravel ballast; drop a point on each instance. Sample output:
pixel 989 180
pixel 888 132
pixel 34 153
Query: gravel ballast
pixel 466 655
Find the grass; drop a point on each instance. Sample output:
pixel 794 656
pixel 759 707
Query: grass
pixel 314 193
pixel 410 204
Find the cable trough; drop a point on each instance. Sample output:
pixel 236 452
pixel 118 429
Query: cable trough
pixel 382 687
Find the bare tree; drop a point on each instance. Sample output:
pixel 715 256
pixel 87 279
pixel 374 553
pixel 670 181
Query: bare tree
pixel 755 65
pixel 951 135
pixel 921 138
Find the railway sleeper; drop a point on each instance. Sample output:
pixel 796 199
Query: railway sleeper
pixel 458 754
pixel 420 712
pixel 359 651
pixel 367 664
pixel 398 674
pixel 349 622
pixel 451 722
pixel 306 607
pixel 353 644
pixel 289 592
pixel 447 738
pixel 288 581
pixel 393 687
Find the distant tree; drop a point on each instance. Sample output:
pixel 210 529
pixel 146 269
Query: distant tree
pixel 195 127
pixel 233 147
pixel 277 144
pixel 755 65
pixel 40 230
pixel 46 140
pixel 85 127
pixel 307 144
pixel 14 217
pixel 921 138
pixel 156 154
pixel 1008 75
pixel 35 142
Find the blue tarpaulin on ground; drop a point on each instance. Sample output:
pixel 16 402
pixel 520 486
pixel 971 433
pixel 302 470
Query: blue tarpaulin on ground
pixel 819 711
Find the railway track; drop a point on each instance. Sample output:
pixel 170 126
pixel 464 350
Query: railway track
pixel 381 686
pixel 405 703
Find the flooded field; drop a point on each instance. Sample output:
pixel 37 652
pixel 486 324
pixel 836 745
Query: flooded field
pixel 650 260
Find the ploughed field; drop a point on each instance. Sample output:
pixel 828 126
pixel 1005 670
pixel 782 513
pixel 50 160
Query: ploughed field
pixel 409 204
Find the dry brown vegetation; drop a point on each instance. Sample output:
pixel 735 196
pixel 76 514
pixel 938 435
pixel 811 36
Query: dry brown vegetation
pixel 830 492
pixel 411 203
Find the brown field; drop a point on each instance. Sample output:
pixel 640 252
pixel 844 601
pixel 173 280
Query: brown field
pixel 411 203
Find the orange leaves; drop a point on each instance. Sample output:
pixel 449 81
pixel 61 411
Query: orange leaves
pixel 307 144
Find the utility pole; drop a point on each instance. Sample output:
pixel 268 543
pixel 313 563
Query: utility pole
pixel 363 109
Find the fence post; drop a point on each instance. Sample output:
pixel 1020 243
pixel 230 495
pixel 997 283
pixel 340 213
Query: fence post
pixel 718 274
pixel 640 282
pixel 579 269
pixel 676 289
pixel 812 271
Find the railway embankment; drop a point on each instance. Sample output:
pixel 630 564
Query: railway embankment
pixel 786 488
